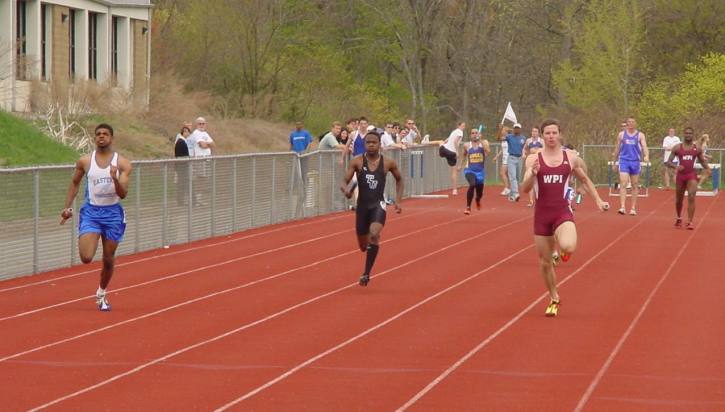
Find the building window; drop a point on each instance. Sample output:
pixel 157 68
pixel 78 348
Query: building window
pixel 93 46
pixel 43 41
pixel 115 21
pixel 21 25
pixel 72 44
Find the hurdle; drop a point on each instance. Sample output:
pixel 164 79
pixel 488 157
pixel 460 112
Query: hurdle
pixel 416 177
pixel 643 186
pixel 715 168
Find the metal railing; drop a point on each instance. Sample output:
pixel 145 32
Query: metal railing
pixel 181 200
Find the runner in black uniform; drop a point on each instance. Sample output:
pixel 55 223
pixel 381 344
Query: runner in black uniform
pixel 371 170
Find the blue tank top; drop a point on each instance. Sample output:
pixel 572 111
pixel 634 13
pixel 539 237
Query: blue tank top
pixel 476 157
pixel 629 147
pixel 358 146
pixel 536 144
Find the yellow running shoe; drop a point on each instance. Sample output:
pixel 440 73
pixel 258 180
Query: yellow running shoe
pixel 553 308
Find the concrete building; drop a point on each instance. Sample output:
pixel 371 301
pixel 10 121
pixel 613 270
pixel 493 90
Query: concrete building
pixel 66 41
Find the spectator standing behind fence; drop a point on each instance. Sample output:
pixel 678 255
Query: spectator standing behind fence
pixel 412 133
pixel 344 136
pixel 449 151
pixel 356 146
pixel 503 170
pixel 181 149
pixel 201 143
pixel 533 145
pixel 330 140
pixel 387 139
pixel 203 146
pixel 396 132
pixel 300 141
pixel 515 142
pixel 668 143
pixel 703 143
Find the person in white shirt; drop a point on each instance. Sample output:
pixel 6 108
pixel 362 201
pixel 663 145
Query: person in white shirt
pixel 504 169
pixel 449 151
pixel 668 143
pixel 200 140
pixel 203 146
pixel 387 141
pixel 412 133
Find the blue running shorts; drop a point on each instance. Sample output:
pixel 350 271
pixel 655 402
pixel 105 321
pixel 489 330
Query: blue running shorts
pixel 480 177
pixel 109 221
pixel 631 167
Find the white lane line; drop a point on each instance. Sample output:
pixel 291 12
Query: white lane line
pixel 615 351
pixel 367 332
pixel 511 322
pixel 176 252
pixel 178 274
pixel 269 317
pixel 214 294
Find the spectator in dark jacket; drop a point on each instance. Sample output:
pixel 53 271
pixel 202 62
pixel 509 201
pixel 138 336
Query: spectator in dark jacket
pixel 181 149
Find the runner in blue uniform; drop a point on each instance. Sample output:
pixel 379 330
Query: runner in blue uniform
pixel 101 216
pixel 630 150
pixel 371 169
pixel 475 153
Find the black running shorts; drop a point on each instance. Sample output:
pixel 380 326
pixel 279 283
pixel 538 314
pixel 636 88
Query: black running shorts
pixel 364 217
pixel 450 157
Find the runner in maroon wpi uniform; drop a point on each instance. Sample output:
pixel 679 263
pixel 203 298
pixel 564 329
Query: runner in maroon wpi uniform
pixel 371 170
pixel 687 152
pixel 547 172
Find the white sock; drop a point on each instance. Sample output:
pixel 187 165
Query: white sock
pixel 100 292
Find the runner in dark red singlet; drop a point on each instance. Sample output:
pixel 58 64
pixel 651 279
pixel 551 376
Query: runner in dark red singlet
pixel 371 169
pixel 548 172
pixel 686 180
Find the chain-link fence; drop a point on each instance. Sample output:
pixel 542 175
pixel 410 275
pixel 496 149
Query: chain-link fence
pixel 180 200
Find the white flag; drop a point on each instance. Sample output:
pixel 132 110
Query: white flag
pixel 509 114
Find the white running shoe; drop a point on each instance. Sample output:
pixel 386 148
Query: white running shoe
pixel 505 191
pixel 102 302
pixel 104 306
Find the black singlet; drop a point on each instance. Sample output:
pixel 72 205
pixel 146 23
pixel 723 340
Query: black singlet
pixel 371 184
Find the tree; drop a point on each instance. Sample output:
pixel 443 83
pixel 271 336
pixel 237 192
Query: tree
pixel 699 92
pixel 607 65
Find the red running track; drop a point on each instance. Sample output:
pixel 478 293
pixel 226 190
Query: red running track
pixel 272 319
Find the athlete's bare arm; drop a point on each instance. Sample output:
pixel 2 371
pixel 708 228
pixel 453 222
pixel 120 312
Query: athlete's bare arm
pixel 486 147
pixel 703 161
pixel 346 188
pixel 643 144
pixel 526 147
pixel 392 167
pixel 120 180
pixel 532 169
pixel 578 170
pixel 615 155
pixel 671 160
pixel 81 166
